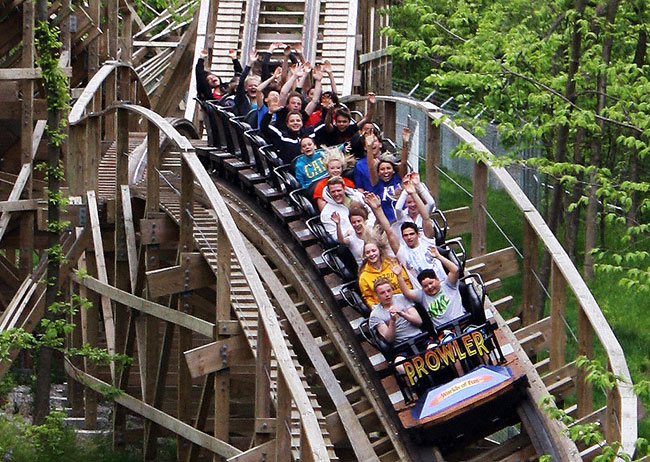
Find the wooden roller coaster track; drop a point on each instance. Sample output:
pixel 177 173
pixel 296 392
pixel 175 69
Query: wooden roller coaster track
pixel 238 349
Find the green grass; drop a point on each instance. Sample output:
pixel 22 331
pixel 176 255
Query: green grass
pixel 625 309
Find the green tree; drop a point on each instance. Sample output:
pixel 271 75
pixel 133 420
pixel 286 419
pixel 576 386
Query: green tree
pixel 570 77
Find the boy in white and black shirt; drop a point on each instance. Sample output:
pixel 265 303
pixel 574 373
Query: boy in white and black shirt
pixel 440 297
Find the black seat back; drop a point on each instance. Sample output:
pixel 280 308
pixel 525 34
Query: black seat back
pixel 317 228
pixel 472 301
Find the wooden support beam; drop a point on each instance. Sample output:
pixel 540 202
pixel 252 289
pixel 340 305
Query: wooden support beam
pixel 124 323
pixel 223 313
pixel 500 263
pixel 262 381
pixel 558 314
pixel 283 421
pixel 14 195
pixel 185 244
pixel 529 286
pixel 26 73
pixel 154 309
pixel 479 206
pixel 21 205
pixel 130 235
pixel 165 420
pixel 585 348
pixel 158 231
pixel 216 356
pixel 264 451
pixel 102 276
pixel 202 411
pixel 193 273
pixel 459 221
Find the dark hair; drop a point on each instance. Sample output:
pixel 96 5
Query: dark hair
pixel 269 89
pixel 343 111
pixel 333 96
pixel 409 224
pixel 427 273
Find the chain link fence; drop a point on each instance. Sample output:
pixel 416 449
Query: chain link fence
pixel 528 178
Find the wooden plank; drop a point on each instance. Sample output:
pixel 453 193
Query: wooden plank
pixel 21 205
pixel 27 73
pixel 255 454
pixel 193 273
pixel 558 315
pixel 165 420
pixel 158 231
pixel 39 129
pixel 130 235
pixel 479 207
pixel 529 283
pixel 102 276
pixel 543 326
pixel 216 356
pixel 17 190
pixel 500 263
pixel 146 306
pixel 459 221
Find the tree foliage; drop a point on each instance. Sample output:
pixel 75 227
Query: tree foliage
pixel 569 77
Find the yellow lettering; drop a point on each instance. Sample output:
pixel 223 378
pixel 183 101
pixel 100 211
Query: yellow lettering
pixel 459 353
pixel 318 166
pixel 418 362
pixel 410 372
pixel 469 347
pixel 446 353
pixel 433 363
pixel 478 341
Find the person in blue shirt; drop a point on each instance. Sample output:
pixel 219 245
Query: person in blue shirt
pixel 386 175
pixel 310 164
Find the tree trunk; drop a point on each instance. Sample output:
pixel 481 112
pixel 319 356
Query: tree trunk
pixel 572 224
pixel 632 166
pixel 591 231
pixel 555 208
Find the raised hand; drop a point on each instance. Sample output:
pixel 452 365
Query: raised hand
pixel 370 139
pixel 317 73
pixel 298 47
pixel 204 54
pixel 408 186
pixel 232 54
pixel 406 135
pixel 252 57
pixel 415 178
pixel 336 218
pixel 274 46
pixel 327 67
pixel 372 98
pixel 372 200
pixel 433 251
pixel 306 67
pixel 396 268
pixel 287 50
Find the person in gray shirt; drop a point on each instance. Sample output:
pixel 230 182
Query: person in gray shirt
pixel 395 318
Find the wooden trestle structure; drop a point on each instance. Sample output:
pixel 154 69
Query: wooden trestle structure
pixel 236 350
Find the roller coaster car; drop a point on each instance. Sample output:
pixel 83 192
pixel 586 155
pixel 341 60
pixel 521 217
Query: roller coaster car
pixel 461 387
